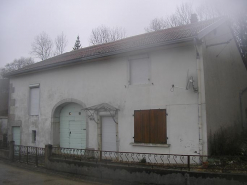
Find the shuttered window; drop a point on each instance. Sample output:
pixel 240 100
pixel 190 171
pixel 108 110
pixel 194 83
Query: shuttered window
pixel 150 126
pixel 139 71
pixel 34 101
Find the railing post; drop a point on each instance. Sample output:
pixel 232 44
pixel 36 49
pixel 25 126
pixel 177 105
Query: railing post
pixel 48 153
pixel 100 155
pixel 27 154
pixel 11 150
pixel 188 157
pixel 36 156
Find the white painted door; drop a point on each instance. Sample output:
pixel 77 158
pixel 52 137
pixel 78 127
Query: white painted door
pixel 16 135
pixel 73 127
pixel 108 134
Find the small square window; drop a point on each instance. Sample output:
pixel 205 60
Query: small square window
pixel 33 136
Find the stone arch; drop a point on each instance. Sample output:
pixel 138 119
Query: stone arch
pixel 55 118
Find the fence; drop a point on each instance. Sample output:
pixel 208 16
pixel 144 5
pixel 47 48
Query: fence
pixel 29 155
pixel 36 156
pixel 166 161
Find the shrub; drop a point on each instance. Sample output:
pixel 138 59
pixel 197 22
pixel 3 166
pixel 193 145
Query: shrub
pixel 229 141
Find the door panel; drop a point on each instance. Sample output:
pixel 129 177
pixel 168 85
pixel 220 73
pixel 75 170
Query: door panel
pixel 73 127
pixel 108 134
pixel 64 132
pixel 16 135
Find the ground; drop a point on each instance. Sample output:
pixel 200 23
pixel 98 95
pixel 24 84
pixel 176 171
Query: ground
pixel 21 174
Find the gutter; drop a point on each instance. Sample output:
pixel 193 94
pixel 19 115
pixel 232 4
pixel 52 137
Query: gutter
pixel 85 59
pixel 200 121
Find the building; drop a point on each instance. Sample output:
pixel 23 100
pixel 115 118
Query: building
pixel 4 97
pixel 159 92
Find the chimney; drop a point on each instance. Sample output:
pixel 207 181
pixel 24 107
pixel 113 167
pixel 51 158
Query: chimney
pixel 193 18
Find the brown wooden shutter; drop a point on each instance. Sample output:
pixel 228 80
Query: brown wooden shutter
pixel 137 126
pixel 158 126
pixel 146 126
pixel 161 124
pixel 150 126
pixel 153 126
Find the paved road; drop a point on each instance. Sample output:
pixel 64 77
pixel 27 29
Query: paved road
pixel 11 175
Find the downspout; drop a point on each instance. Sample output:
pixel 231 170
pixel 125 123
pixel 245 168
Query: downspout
pixel 200 131
pixel 241 106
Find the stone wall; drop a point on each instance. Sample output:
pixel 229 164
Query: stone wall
pixel 131 174
pixel 122 174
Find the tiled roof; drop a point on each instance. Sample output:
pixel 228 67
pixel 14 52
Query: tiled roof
pixel 127 44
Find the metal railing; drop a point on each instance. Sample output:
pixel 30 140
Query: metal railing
pixel 4 145
pixel 152 160
pixel 29 155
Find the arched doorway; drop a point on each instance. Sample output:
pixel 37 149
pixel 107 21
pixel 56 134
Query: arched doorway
pixel 69 125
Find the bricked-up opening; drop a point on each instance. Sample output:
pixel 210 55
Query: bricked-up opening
pixel 150 126
pixel 34 100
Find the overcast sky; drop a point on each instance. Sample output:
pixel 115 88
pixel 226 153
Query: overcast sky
pixel 22 20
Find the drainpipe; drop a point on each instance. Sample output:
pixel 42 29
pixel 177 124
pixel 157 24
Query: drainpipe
pixel 241 106
pixel 198 68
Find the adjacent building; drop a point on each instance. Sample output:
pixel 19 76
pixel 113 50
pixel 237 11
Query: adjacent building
pixel 4 97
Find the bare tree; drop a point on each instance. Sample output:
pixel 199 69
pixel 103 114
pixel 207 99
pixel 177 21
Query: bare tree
pixel 16 64
pixel 156 24
pixel 60 44
pixel 209 10
pixel 104 34
pixel 42 46
pixel 181 16
pixel 238 21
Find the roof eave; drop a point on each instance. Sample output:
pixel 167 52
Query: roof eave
pixel 85 59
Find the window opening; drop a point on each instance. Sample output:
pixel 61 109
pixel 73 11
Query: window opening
pixel 34 100
pixel 139 71
pixel 150 126
pixel 33 136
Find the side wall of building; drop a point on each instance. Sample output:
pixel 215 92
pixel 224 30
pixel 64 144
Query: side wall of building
pixel 4 105
pixel 225 78
pixel 4 96
pixel 3 129
pixel 106 81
